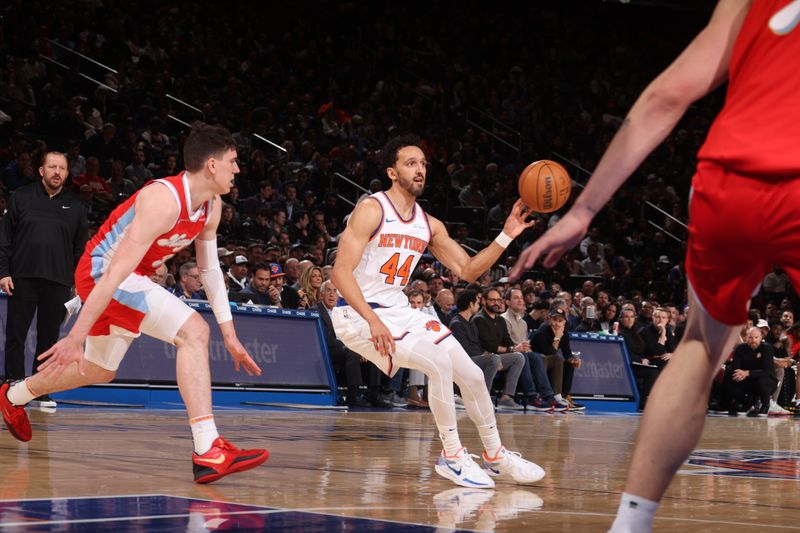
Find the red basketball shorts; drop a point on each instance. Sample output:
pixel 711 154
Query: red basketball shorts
pixel 739 227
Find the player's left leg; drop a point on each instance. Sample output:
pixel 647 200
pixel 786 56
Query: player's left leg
pixel 171 320
pixel 674 416
pixel 417 351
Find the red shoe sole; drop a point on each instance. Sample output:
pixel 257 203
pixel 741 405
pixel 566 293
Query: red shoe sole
pixel 238 467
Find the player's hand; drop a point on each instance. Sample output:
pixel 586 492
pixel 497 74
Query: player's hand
pixel 556 241
pixel 7 284
pixel 381 337
pixel 740 375
pixel 61 355
pixel 666 357
pixel 575 362
pixel 240 357
pixel 516 221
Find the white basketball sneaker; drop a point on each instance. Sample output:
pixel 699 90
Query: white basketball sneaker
pixel 462 470
pixel 510 466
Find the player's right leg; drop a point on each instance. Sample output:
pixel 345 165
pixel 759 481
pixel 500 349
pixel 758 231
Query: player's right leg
pixel 14 396
pixel 674 416
pixel 498 462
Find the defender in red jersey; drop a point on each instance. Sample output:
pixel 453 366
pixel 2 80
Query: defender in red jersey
pixel 121 301
pixel 745 196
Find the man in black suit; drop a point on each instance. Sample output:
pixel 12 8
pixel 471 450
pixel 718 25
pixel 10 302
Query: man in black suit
pixel 344 358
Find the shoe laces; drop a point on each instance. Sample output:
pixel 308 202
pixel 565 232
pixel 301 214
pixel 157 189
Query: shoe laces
pixel 464 457
pixel 222 444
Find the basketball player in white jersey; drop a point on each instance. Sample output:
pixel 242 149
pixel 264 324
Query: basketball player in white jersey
pixel 378 251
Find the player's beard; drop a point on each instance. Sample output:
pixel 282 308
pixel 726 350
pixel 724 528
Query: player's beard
pixel 412 187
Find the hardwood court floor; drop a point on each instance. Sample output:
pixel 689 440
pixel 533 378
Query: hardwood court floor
pixel 379 465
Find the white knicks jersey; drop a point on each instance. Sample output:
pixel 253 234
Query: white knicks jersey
pixel 392 254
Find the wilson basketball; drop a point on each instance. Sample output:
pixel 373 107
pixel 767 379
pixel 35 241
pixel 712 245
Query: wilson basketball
pixel 544 186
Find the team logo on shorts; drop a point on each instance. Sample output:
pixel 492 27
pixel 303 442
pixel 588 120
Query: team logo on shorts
pixel 433 325
pixel 760 464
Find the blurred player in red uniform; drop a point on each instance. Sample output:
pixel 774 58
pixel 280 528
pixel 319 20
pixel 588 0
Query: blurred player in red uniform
pixel 745 197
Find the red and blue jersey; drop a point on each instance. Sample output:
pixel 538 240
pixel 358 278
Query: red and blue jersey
pixel 100 249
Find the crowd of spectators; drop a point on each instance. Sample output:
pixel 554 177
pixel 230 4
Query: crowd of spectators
pixel 486 92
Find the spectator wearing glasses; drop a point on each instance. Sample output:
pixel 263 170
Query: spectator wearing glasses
pixel 189 286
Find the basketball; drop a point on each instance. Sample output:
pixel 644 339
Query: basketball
pixel 544 186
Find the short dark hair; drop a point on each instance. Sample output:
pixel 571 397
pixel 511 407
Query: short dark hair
pixel 487 290
pixel 260 266
pixel 205 141
pixel 465 297
pixel 389 152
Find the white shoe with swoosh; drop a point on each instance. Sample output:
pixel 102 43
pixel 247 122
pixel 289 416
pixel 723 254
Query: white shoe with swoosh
pixel 462 470
pixel 510 466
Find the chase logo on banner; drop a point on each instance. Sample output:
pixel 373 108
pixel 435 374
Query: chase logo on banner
pixel 760 464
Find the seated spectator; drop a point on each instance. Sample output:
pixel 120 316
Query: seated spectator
pixel 751 374
pixel 659 341
pixel 237 273
pixel 75 161
pixel 608 315
pixel 552 341
pixel 101 191
pixel 121 187
pixel 443 306
pixel 260 289
pixel 588 316
pixel 494 338
pixel 416 379
pixel 137 171
pixel 644 373
pixel 289 297
pixel 471 195
pixel 159 275
pixel 264 199
pixel 594 264
pixel 19 172
pixel 345 360
pixel 543 395
pixel 465 332
pixel 299 228
pixel 189 284
pixel 310 282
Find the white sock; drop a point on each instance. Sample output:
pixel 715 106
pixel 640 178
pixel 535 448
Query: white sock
pixel 635 514
pixel 450 441
pixel 558 397
pixel 204 433
pixel 490 439
pixel 19 393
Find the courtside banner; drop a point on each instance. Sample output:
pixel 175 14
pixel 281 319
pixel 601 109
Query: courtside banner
pixel 605 371
pixel 288 345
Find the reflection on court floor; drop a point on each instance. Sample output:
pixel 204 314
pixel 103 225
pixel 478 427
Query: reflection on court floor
pixel 158 512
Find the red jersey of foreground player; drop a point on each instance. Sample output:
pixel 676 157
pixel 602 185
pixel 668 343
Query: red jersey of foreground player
pixel 751 135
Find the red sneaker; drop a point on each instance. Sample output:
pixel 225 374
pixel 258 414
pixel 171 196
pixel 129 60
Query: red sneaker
pixel 224 458
pixel 14 416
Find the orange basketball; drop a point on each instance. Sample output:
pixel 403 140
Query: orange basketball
pixel 544 186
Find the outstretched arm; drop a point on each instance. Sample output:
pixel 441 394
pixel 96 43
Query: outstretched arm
pixel 453 256
pixel 700 68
